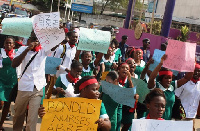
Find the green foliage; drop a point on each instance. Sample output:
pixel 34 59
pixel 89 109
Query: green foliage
pixel 46 4
pixel 184 34
pixel 156 27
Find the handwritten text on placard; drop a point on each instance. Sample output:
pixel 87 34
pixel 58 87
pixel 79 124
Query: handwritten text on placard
pixel 70 114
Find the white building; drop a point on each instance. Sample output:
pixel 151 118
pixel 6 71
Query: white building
pixel 186 12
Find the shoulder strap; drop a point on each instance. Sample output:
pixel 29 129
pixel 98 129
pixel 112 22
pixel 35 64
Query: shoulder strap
pixel 64 50
pixel 28 64
pixel 63 55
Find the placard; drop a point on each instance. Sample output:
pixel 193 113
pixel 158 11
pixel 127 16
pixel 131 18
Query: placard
pixel 70 114
pixel 46 28
pixel 51 64
pixel 94 40
pixel 124 96
pixel 180 56
pixel 161 125
pixel 17 27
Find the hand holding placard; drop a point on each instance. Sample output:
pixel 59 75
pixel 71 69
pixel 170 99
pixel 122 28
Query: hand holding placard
pixel 156 57
pixel 142 90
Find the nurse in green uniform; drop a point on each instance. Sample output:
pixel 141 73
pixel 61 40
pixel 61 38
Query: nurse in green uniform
pixel 88 66
pixel 110 105
pixel 8 75
pixel 140 64
pixel 107 63
pixel 64 86
pixel 126 82
pixel 88 87
pixel 166 84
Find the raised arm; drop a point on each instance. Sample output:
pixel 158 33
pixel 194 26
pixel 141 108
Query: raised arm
pixel 151 83
pixel 185 79
pixel 142 76
pixel 129 80
pixel 78 52
pixel 18 60
pixel 98 59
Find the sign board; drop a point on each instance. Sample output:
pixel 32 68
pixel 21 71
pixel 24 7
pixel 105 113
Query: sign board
pixel 81 8
pixel 83 2
pixel 151 4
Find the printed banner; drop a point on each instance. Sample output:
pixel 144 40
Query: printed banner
pixel 17 27
pixel 180 56
pixel 51 64
pixel 124 96
pixel 159 125
pixel 94 40
pixel 70 114
pixel 46 28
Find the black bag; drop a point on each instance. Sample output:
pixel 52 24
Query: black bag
pixel 178 111
pixel 13 93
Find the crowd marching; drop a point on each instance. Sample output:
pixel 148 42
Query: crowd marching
pixel 79 75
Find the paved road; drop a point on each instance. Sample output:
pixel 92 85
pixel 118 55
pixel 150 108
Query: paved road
pixel 8 123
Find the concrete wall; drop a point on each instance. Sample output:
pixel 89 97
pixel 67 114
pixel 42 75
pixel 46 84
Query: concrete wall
pixel 183 8
pixel 103 20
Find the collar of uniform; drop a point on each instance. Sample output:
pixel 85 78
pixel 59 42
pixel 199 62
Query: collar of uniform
pixel 86 70
pixel 125 82
pixel 3 53
pixel 171 88
pixel 64 79
pixel 198 82
pixel 68 46
pixel 142 64
pixel 104 60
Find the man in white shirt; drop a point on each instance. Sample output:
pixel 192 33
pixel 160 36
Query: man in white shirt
pixel 30 86
pixel 69 53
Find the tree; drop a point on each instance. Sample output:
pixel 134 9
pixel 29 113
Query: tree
pixel 46 4
pixel 114 4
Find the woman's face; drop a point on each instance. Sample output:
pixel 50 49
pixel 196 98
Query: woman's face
pixel 156 107
pixel 166 81
pixel 137 54
pixel 9 44
pixel 110 52
pixel 132 65
pixel 87 58
pixel 123 70
pixel 76 72
pixel 92 91
pixel 112 46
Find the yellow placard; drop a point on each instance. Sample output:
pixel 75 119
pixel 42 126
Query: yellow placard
pixel 70 114
pixel 104 74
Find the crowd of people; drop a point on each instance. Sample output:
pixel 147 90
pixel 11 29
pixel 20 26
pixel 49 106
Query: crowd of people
pixel 79 75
